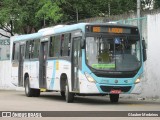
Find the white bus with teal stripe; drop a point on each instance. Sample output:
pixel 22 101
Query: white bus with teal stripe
pixel 80 59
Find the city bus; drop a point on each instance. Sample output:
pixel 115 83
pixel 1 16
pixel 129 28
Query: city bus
pixel 82 59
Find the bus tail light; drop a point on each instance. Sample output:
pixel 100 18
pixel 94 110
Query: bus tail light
pixel 89 78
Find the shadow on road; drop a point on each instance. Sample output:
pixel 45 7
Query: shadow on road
pixel 94 100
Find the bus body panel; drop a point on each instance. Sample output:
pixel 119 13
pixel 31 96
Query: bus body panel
pixel 31 68
pixel 14 75
pixel 87 87
pixel 14 66
pixel 137 89
pixel 56 67
pixel 104 81
pixel 34 73
pixel 50 74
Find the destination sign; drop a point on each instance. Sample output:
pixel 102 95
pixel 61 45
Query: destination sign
pixel 112 29
pixel 117 30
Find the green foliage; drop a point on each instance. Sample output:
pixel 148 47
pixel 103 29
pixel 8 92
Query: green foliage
pixel 94 8
pixel 15 18
pixel 157 4
pixel 7 14
pixel 49 11
pixel 27 16
pixel 121 6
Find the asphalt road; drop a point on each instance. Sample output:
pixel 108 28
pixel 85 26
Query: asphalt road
pixel 17 101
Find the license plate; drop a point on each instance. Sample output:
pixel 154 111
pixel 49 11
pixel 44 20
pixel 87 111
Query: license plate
pixel 115 91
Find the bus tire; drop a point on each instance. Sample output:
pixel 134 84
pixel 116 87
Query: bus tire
pixel 68 95
pixel 114 98
pixel 28 90
pixel 36 92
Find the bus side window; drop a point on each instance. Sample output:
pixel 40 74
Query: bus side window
pixel 51 47
pixel 36 49
pixel 27 52
pixel 15 51
pixel 32 48
pixel 62 44
pixel 54 47
pixel 65 44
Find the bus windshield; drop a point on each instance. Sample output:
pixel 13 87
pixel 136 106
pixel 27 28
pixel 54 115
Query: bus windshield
pixel 114 52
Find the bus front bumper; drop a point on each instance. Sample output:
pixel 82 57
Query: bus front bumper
pixel 137 88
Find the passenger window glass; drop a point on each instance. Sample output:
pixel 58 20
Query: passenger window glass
pixel 15 51
pixel 54 46
pixel 35 49
pixel 28 50
pixel 66 45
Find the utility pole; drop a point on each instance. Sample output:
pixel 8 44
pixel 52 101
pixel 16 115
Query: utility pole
pixel 77 14
pixel 11 22
pixel 44 21
pixel 109 8
pixel 138 12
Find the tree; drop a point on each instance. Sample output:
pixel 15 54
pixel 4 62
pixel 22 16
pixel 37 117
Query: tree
pixel 49 12
pixel 94 8
pixel 7 15
pixel 17 16
pixel 27 16
pixel 77 9
pixel 157 4
pixel 147 4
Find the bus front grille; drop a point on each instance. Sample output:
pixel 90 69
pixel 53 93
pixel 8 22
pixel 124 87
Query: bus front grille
pixel 109 88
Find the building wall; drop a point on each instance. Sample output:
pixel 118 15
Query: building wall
pixel 4 51
pixel 151 82
pixel 5 75
pixel 4 46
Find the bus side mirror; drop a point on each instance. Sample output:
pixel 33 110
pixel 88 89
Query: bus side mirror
pixel 144 50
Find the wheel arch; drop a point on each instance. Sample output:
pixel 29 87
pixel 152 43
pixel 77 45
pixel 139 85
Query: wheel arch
pixel 25 76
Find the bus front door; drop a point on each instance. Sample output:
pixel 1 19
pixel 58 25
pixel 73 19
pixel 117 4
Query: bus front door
pixel 42 64
pixel 20 68
pixel 76 63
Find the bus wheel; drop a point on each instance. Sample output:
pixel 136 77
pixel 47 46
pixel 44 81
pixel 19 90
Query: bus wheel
pixel 114 98
pixel 36 92
pixel 28 90
pixel 68 95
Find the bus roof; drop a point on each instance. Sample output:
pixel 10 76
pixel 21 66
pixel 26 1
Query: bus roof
pixel 62 29
pixel 81 26
pixel 27 37
pixel 49 31
pixel 65 29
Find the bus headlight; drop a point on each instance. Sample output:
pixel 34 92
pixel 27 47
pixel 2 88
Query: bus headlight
pixel 89 77
pixel 137 81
